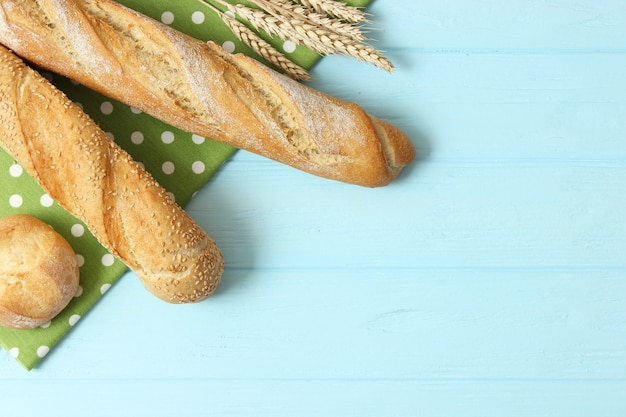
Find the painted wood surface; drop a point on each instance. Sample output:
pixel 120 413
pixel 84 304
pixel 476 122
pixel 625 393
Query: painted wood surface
pixel 489 280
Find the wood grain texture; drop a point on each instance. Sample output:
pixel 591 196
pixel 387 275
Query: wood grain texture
pixel 489 280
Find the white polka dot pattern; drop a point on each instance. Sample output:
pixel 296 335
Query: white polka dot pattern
pixel 107 259
pixel 289 47
pixel 15 170
pixel 46 201
pixel 167 137
pixel 77 230
pixel 167 17
pixel 42 351
pixel 197 17
pixel 16 201
pixel 106 107
pixel 104 288
pixel 73 319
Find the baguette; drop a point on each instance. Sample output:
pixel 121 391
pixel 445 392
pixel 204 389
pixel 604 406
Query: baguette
pixel 95 180
pixel 201 89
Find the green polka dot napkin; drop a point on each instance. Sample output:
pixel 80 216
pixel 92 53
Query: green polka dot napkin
pixel 181 162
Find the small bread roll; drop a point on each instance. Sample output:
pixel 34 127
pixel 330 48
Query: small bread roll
pixel 39 273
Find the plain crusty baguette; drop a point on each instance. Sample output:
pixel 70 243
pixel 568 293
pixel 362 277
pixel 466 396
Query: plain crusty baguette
pixel 99 183
pixel 39 272
pixel 201 89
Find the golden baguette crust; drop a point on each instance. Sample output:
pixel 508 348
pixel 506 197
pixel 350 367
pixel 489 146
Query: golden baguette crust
pixel 99 183
pixel 201 89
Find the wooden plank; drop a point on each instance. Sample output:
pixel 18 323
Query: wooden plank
pixel 327 398
pixel 358 325
pixel 517 24
pixel 491 214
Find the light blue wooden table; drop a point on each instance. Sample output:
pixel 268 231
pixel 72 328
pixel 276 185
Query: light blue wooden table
pixel 489 280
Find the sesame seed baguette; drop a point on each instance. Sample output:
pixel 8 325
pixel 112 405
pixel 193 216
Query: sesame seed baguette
pixel 95 180
pixel 200 88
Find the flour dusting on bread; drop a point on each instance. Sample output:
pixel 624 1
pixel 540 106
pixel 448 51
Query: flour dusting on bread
pixel 201 89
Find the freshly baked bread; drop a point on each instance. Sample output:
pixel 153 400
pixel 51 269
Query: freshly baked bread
pixel 95 180
pixel 201 89
pixel 39 273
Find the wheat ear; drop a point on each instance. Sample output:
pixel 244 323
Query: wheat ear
pixel 315 37
pixel 260 46
pixel 336 9
pixel 344 37
pixel 324 26
pixel 298 11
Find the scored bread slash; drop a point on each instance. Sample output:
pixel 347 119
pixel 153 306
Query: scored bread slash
pixel 201 89
pixel 90 176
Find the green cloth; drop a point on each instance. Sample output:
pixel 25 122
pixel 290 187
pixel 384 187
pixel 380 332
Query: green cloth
pixel 181 162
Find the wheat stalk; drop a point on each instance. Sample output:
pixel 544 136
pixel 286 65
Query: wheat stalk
pixel 266 50
pixel 260 46
pixel 323 35
pixel 318 38
pixel 298 31
pixel 324 26
pixel 336 9
pixel 300 12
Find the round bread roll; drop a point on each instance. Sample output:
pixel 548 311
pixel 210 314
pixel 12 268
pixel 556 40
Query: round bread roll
pixel 39 273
